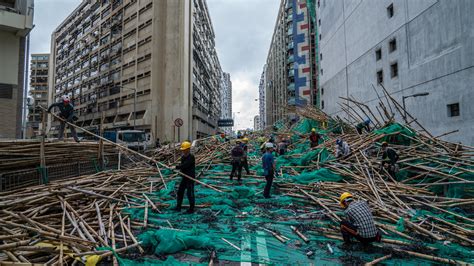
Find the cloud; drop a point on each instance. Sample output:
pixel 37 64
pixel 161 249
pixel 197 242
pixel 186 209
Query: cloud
pixel 243 30
pixel 47 17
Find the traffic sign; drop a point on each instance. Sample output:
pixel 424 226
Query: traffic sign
pixel 225 122
pixel 178 122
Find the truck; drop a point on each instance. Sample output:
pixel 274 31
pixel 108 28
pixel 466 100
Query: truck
pixel 133 139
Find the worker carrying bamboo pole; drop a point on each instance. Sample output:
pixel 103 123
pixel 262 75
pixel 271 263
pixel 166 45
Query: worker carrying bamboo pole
pixel 237 154
pixel 314 138
pixel 245 161
pixel 268 163
pixel 359 222
pixel 66 112
pixel 342 148
pixel 389 159
pixel 187 167
pixel 363 125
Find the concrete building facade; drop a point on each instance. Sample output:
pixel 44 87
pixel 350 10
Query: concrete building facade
pixel 256 123
pixel 290 76
pixel 16 21
pixel 226 100
pixel 261 100
pixel 139 64
pixel 410 47
pixel 39 68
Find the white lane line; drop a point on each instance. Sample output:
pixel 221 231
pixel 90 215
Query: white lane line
pixel 262 250
pixel 246 255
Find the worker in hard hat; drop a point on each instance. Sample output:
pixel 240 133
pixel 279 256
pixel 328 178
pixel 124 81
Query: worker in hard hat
pixel 282 146
pixel 188 168
pixel 245 161
pixel 237 154
pixel 268 163
pixel 359 222
pixel 342 148
pixel 66 112
pixel 363 125
pixel 314 138
pixel 389 159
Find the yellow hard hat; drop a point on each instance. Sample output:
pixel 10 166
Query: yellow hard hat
pixel 245 140
pixel 343 197
pixel 185 145
pixel 313 130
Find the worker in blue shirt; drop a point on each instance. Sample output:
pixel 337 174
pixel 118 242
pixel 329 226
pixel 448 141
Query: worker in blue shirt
pixel 268 162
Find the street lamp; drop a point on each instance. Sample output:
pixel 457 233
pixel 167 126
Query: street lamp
pixel 134 104
pixel 414 96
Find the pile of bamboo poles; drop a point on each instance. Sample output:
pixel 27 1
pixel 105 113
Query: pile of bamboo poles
pixel 24 154
pixel 66 221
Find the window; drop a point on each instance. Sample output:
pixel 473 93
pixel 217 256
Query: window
pixel 392 45
pixel 453 110
pixel 321 56
pixel 6 91
pixel 380 77
pixel 390 11
pixel 322 104
pixel 322 72
pixel 319 22
pixel 322 91
pixel 394 70
pixel 320 36
pixel 378 54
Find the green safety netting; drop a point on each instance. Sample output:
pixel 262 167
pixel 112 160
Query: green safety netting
pixel 396 134
pixel 242 216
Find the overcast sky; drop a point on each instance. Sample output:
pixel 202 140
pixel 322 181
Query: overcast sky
pixel 243 31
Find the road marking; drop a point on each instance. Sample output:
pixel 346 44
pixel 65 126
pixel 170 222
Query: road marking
pixel 262 250
pixel 246 255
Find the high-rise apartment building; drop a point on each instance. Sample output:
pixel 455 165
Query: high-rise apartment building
pixel 261 100
pixel 226 100
pixel 256 123
pixel 39 68
pixel 291 67
pixel 139 64
pixel 16 22
pixel 411 48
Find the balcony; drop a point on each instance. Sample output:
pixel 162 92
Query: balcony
pixel 292 101
pixel 290 59
pixel 289 18
pixel 291 87
pixel 290 31
pixel 18 17
pixel 291 73
pixel 290 45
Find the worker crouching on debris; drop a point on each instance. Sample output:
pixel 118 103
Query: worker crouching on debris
pixel 363 125
pixel 389 159
pixel 268 163
pixel 245 161
pixel 359 222
pixel 237 154
pixel 314 138
pixel 282 146
pixel 187 167
pixel 66 112
pixel 342 148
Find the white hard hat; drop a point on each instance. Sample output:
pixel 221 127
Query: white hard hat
pixel 268 145
pixel 65 98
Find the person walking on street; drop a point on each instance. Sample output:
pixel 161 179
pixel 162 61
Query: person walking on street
pixel 268 163
pixel 363 125
pixel 66 112
pixel 245 161
pixel 314 138
pixel 389 159
pixel 359 222
pixel 237 155
pixel 187 167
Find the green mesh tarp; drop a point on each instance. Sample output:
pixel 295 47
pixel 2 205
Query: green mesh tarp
pixel 396 134
pixel 171 241
pixel 322 174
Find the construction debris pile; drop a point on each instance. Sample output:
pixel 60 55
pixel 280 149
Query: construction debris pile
pixel 425 212
pixel 24 154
